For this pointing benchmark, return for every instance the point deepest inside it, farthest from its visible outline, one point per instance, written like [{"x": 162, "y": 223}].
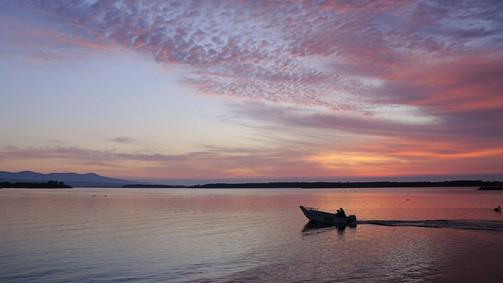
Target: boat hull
[{"x": 326, "y": 218}]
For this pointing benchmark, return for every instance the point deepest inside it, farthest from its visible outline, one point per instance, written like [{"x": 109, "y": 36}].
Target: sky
[{"x": 253, "y": 90}]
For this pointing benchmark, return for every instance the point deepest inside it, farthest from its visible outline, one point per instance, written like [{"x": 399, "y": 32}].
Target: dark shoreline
[
  {"x": 491, "y": 188},
  {"x": 481, "y": 185},
  {"x": 330, "y": 185},
  {"x": 34, "y": 185}
]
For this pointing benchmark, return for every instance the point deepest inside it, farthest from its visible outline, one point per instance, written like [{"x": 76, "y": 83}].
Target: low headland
[
  {"x": 334, "y": 185},
  {"x": 30, "y": 179},
  {"x": 35, "y": 185}
]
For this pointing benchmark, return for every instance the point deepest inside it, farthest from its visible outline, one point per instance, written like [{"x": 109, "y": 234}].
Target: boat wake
[{"x": 481, "y": 225}]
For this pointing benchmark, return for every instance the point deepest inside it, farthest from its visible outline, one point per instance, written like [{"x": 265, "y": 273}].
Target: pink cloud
[
  {"x": 442, "y": 59},
  {"x": 282, "y": 51}
]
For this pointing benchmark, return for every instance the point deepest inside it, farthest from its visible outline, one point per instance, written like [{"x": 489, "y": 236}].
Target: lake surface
[{"x": 251, "y": 235}]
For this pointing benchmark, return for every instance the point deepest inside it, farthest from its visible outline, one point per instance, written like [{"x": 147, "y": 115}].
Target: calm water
[{"x": 179, "y": 235}]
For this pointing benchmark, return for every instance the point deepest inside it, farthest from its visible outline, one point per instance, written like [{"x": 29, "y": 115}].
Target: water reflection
[
  {"x": 313, "y": 227},
  {"x": 181, "y": 235}
]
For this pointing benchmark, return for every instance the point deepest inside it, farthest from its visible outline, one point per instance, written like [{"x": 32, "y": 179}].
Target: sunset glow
[{"x": 246, "y": 90}]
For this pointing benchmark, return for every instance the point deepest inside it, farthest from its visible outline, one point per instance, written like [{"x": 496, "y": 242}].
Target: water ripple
[{"x": 482, "y": 225}]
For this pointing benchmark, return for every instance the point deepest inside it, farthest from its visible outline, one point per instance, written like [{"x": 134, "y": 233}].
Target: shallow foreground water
[{"x": 225, "y": 235}]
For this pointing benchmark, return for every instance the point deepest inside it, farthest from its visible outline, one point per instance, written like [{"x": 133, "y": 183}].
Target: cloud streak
[
  {"x": 122, "y": 140},
  {"x": 313, "y": 52}
]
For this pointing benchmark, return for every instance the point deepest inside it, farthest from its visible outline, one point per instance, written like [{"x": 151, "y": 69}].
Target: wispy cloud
[
  {"x": 123, "y": 140},
  {"x": 209, "y": 161},
  {"x": 312, "y": 52},
  {"x": 335, "y": 156}
]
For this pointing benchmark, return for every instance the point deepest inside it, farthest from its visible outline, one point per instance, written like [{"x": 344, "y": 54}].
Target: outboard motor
[{"x": 352, "y": 221}]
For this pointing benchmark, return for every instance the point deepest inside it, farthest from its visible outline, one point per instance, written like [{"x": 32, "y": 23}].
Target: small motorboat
[
  {"x": 497, "y": 209},
  {"x": 327, "y": 218}
]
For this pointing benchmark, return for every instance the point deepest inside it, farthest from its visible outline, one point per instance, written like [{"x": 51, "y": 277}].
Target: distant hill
[{"x": 72, "y": 179}]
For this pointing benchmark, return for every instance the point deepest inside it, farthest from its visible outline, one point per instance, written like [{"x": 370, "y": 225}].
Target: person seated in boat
[{"x": 340, "y": 212}]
